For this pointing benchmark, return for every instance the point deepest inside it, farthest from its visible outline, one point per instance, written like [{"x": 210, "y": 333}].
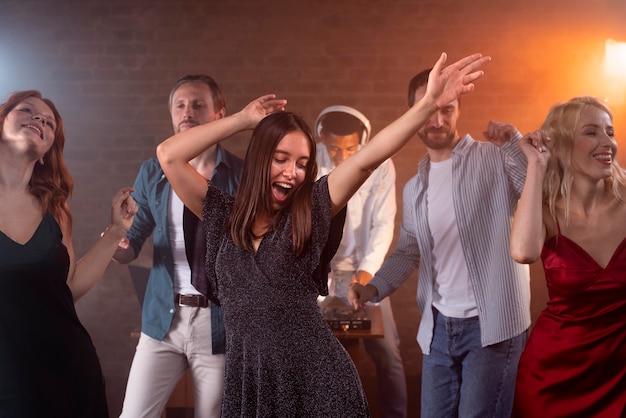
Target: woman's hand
[
  {"x": 260, "y": 108},
  {"x": 446, "y": 84},
  {"x": 123, "y": 210},
  {"x": 533, "y": 145},
  {"x": 83, "y": 274}
]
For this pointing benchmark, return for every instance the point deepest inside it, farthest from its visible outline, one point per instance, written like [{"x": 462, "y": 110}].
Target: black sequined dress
[{"x": 282, "y": 359}]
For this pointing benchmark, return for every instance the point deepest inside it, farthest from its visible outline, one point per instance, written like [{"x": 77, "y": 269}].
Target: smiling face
[
  {"x": 192, "y": 105},
  {"x": 594, "y": 144},
  {"x": 289, "y": 166},
  {"x": 30, "y": 127}
]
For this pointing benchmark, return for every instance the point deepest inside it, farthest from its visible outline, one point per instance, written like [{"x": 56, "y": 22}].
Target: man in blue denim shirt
[{"x": 181, "y": 328}]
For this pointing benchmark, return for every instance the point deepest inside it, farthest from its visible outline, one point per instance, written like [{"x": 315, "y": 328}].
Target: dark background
[{"x": 109, "y": 66}]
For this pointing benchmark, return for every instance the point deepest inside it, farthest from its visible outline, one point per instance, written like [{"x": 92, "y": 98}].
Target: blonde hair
[{"x": 560, "y": 126}]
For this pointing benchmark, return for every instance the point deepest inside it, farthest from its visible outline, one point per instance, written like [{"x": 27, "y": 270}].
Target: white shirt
[
  {"x": 487, "y": 183},
  {"x": 371, "y": 215},
  {"x": 182, "y": 271},
  {"x": 452, "y": 290}
]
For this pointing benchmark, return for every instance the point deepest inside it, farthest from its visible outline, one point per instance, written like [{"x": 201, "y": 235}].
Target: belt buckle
[
  {"x": 180, "y": 300},
  {"x": 195, "y": 301}
]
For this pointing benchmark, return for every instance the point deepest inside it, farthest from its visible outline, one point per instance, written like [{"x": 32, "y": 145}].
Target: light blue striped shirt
[{"x": 488, "y": 181}]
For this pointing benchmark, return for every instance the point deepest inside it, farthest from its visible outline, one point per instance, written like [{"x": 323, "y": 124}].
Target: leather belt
[{"x": 196, "y": 301}]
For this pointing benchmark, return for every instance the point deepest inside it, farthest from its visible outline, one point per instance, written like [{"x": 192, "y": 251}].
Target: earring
[{"x": 41, "y": 161}]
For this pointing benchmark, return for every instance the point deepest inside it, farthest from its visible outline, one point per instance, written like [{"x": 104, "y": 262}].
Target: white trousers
[{"x": 158, "y": 366}]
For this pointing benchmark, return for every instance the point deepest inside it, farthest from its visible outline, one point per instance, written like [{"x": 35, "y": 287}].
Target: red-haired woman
[{"x": 48, "y": 364}]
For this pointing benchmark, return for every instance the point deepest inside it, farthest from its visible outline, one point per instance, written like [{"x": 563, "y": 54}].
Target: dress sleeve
[
  {"x": 327, "y": 233},
  {"x": 217, "y": 207}
]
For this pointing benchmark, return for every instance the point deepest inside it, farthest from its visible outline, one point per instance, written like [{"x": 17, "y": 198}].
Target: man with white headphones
[{"x": 367, "y": 235}]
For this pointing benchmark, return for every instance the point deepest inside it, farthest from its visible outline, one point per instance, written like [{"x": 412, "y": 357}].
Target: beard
[
  {"x": 184, "y": 125},
  {"x": 441, "y": 141}
]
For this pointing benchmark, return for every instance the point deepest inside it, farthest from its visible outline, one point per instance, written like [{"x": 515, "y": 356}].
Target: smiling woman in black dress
[
  {"x": 269, "y": 247},
  {"x": 48, "y": 364}
]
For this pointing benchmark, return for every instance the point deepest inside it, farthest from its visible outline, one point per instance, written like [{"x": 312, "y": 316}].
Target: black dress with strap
[{"x": 48, "y": 363}]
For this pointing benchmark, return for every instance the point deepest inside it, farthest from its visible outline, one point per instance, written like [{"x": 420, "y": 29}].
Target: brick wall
[{"x": 108, "y": 65}]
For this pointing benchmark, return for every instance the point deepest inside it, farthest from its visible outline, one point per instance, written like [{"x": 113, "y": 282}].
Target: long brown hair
[
  {"x": 51, "y": 183},
  {"x": 254, "y": 194}
]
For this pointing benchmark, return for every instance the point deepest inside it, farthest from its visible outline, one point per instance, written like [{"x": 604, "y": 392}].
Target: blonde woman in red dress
[{"x": 572, "y": 214}]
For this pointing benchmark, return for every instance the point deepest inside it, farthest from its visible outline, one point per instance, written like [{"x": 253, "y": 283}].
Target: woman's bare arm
[
  {"x": 528, "y": 231},
  {"x": 175, "y": 153},
  {"x": 445, "y": 84}
]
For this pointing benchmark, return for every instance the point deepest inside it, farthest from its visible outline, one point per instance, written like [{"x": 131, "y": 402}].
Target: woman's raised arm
[
  {"x": 175, "y": 153},
  {"x": 528, "y": 230},
  {"x": 445, "y": 84},
  {"x": 85, "y": 273}
]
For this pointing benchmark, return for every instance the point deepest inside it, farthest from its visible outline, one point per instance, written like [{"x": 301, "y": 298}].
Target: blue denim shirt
[{"x": 152, "y": 192}]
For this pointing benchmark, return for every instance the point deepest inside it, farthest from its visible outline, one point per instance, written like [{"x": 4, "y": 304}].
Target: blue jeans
[{"x": 460, "y": 378}]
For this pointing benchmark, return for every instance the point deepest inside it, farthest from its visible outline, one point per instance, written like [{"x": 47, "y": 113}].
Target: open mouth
[
  {"x": 281, "y": 191},
  {"x": 35, "y": 129},
  {"x": 604, "y": 158}
]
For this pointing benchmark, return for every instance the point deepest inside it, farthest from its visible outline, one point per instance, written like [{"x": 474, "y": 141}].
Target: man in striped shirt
[{"x": 474, "y": 299}]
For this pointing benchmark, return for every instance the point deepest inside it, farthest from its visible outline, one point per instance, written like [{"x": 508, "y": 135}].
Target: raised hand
[
  {"x": 499, "y": 132},
  {"x": 261, "y": 107},
  {"x": 533, "y": 145},
  {"x": 446, "y": 84}
]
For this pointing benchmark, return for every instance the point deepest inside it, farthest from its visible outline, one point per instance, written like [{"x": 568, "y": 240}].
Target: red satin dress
[{"x": 574, "y": 364}]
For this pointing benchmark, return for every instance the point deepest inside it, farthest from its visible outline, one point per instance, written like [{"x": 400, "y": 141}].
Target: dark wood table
[{"x": 350, "y": 338}]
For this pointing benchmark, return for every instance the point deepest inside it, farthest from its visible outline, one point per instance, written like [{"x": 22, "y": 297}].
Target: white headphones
[{"x": 367, "y": 127}]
